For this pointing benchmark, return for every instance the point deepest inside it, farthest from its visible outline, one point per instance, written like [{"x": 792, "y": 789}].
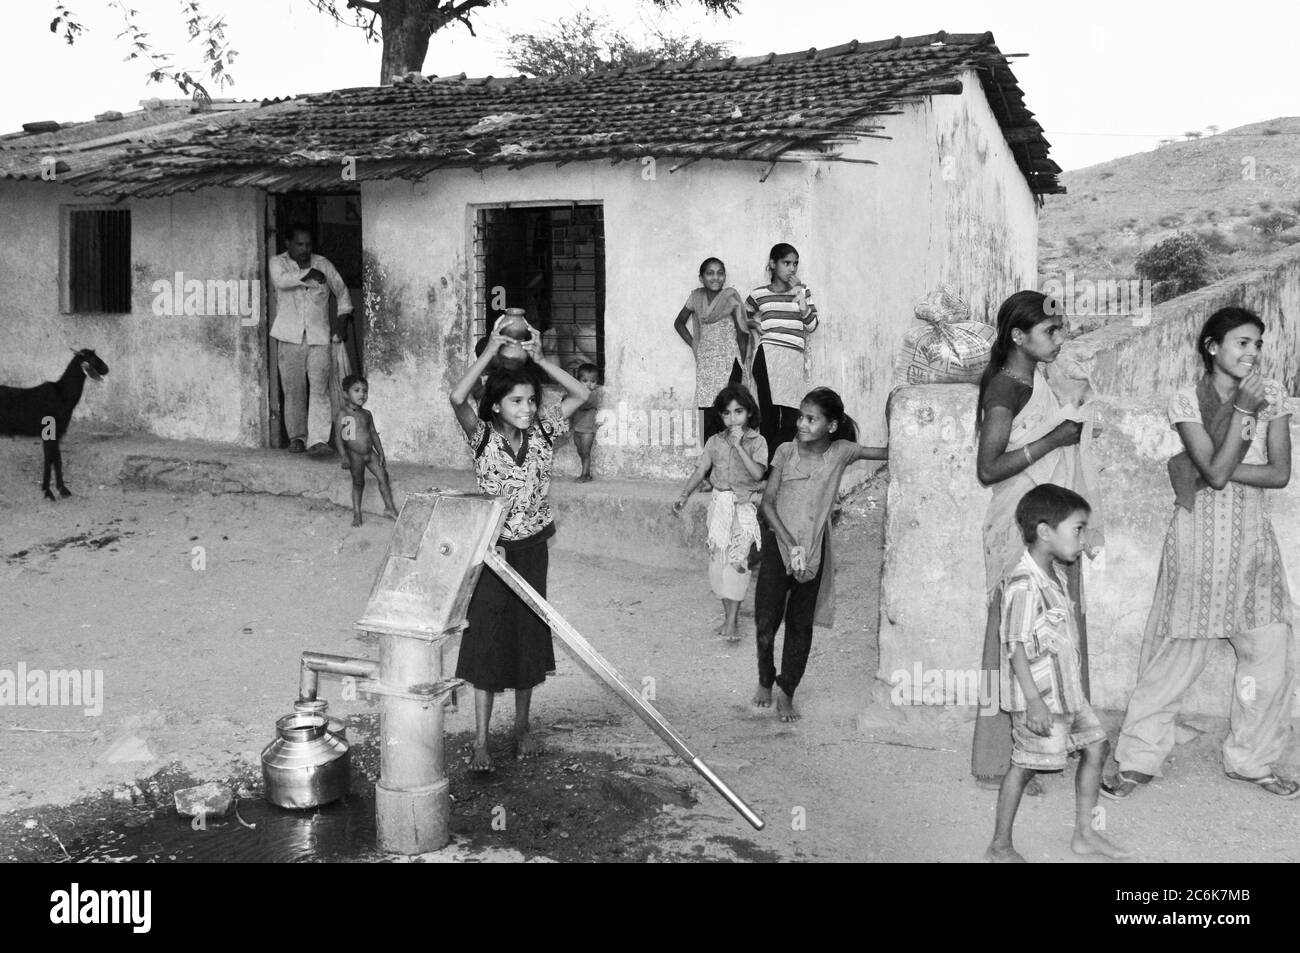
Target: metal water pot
[
  {"x": 306, "y": 765},
  {"x": 336, "y": 726}
]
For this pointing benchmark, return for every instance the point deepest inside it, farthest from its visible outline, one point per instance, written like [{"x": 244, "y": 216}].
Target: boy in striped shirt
[{"x": 1040, "y": 680}]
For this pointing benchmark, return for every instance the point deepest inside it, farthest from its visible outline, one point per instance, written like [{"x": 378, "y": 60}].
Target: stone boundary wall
[{"x": 1124, "y": 359}]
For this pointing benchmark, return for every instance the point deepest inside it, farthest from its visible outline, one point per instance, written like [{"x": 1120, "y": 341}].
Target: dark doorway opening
[
  {"x": 550, "y": 261},
  {"x": 335, "y": 223}
]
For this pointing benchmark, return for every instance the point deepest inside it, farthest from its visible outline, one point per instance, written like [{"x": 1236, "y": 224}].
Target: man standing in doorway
[{"x": 303, "y": 283}]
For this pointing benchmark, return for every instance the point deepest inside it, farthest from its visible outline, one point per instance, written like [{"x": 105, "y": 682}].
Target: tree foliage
[
  {"x": 402, "y": 27},
  {"x": 587, "y": 41},
  {"x": 1175, "y": 266},
  {"x": 206, "y": 31}
]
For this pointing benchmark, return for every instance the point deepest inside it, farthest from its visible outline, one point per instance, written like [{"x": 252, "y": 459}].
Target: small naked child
[{"x": 358, "y": 444}]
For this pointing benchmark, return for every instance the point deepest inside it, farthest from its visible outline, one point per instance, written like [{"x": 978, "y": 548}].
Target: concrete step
[{"x": 622, "y": 519}]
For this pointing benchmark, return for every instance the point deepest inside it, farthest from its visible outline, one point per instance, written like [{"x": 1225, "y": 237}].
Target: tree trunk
[{"x": 406, "y": 28}]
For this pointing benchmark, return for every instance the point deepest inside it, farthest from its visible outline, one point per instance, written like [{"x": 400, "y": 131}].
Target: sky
[{"x": 1105, "y": 79}]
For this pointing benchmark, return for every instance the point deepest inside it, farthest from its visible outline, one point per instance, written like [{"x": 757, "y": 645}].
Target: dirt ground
[{"x": 199, "y": 658}]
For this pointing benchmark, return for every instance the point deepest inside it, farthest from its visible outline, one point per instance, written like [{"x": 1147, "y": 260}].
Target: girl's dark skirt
[{"x": 506, "y": 644}]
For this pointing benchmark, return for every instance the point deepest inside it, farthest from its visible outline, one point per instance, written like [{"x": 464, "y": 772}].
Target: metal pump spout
[{"x": 314, "y": 663}]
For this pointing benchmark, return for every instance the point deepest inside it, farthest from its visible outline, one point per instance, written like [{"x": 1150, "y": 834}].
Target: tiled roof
[
  {"x": 87, "y": 148},
  {"x": 767, "y": 108}
]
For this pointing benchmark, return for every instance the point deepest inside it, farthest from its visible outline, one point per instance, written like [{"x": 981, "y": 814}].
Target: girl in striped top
[{"x": 782, "y": 315}]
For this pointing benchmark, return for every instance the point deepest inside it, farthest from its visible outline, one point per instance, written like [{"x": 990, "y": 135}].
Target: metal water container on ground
[
  {"x": 306, "y": 765},
  {"x": 336, "y": 726}
]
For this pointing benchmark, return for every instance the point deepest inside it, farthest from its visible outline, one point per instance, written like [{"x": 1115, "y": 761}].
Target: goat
[{"x": 45, "y": 410}]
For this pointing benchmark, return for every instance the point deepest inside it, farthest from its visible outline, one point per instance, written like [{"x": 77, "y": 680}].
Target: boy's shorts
[{"x": 1070, "y": 733}]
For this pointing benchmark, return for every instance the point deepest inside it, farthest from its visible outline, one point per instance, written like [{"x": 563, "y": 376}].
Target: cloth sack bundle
[{"x": 948, "y": 348}]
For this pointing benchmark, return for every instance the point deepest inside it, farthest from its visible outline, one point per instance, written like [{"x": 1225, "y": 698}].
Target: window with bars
[
  {"x": 98, "y": 266},
  {"x": 550, "y": 261}
]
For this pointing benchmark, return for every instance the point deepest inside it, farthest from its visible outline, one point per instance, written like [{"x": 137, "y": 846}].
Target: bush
[
  {"x": 1174, "y": 266},
  {"x": 1273, "y": 223}
]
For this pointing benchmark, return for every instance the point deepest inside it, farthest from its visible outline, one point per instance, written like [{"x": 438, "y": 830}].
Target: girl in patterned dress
[
  {"x": 505, "y": 644},
  {"x": 717, "y": 316},
  {"x": 1221, "y": 574}
]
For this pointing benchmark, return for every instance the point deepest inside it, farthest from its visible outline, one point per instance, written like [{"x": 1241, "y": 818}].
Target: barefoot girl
[
  {"x": 796, "y": 579},
  {"x": 783, "y": 315},
  {"x": 1024, "y": 439},
  {"x": 1221, "y": 576},
  {"x": 505, "y": 644},
  {"x": 719, "y": 338},
  {"x": 734, "y": 462}
]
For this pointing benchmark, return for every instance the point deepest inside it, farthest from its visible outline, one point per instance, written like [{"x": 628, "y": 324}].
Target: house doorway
[
  {"x": 550, "y": 261},
  {"x": 334, "y": 220}
]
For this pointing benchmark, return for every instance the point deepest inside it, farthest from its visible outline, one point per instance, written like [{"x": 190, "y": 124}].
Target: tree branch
[
  {"x": 441, "y": 16},
  {"x": 370, "y": 5}
]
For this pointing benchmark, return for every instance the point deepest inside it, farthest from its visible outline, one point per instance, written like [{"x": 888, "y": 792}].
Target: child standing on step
[
  {"x": 584, "y": 420},
  {"x": 796, "y": 581},
  {"x": 734, "y": 462},
  {"x": 357, "y": 442},
  {"x": 713, "y": 325},
  {"x": 506, "y": 645}
]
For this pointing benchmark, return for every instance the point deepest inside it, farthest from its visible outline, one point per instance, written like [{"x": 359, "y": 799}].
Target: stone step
[{"x": 621, "y": 519}]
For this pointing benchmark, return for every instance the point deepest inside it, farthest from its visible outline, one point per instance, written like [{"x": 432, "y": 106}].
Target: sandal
[
  {"x": 1123, "y": 784},
  {"x": 1284, "y": 788}
]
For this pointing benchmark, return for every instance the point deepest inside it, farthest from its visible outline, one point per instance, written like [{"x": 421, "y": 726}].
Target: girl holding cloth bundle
[{"x": 733, "y": 461}]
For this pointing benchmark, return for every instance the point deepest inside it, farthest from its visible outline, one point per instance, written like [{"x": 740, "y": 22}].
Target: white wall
[
  {"x": 175, "y": 376},
  {"x": 945, "y": 203},
  {"x": 872, "y": 239}
]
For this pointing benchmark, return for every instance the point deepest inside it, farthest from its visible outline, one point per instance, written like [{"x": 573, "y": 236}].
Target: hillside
[{"x": 1114, "y": 211}]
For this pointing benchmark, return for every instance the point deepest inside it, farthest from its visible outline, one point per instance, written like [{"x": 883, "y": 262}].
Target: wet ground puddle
[{"x": 565, "y": 806}]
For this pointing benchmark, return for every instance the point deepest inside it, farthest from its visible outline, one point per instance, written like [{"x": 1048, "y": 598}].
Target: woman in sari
[{"x": 1025, "y": 438}]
